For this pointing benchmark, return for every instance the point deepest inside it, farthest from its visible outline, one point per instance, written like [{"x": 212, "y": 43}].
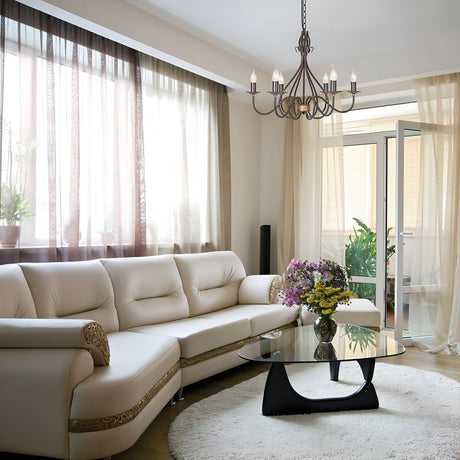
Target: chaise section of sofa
[{"x": 116, "y": 403}]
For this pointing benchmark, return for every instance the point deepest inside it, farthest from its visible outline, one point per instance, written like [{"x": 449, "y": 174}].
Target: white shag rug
[{"x": 418, "y": 418}]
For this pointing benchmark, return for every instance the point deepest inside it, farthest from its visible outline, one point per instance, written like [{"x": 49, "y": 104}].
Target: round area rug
[{"x": 418, "y": 418}]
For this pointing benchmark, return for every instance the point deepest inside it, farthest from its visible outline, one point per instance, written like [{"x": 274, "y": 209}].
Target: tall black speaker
[{"x": 265, "y": 234}]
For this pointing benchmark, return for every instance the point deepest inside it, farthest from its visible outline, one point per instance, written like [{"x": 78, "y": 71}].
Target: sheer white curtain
[
  {"x": 313, "y": 192},
  {"x": 117, "y": 153},
  {"x": 187, "y": 197},
  {"x": 437, "y": 236},
  {"x": 332, "y": 187}
]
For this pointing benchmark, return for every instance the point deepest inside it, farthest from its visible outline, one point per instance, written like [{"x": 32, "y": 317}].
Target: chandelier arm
[
  {"x": 257, "y": 110},
  {"x": 349, "y": 108},
  {"x": 279, "y": 111},
  {"x": 286, "y": 113},
  {"x": 324, "y": 113},
  {"x": 278, "y": 106},
  {"x": 291, "y": 81},
  {"x": 314, "y": 93},
  {"x": 293, "y": 106},
  {"x": 327, "y": 108}
]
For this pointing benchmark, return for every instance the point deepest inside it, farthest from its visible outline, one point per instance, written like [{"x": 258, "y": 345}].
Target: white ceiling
[{"x": 365, "y": 34}]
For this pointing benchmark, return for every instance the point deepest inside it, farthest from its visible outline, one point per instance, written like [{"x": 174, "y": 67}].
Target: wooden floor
[{"x": 153, "y": 444}]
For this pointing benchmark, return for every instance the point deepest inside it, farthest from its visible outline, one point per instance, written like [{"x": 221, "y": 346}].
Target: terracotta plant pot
[{"x": 9, "y": 235}]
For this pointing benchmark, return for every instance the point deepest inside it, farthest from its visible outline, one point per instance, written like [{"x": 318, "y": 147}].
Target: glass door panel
[
  {"x": 360, "y": 191},
  {"x": 413, "y": 316},
  {"x": 409, "y": 200}
]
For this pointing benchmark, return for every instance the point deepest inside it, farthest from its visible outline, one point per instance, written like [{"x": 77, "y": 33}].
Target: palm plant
[{"x": 361, "y": 255}]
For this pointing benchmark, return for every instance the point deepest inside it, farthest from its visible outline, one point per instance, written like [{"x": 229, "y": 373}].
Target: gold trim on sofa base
[{"x": 113, "y": 421}]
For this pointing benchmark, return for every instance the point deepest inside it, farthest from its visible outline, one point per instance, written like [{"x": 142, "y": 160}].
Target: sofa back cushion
[
  {"x": 148, "y": 290},
  {"x": 15, "y": 297},
  {"x": 79, "y": 290},
  {"x": 211, "y": 280}
]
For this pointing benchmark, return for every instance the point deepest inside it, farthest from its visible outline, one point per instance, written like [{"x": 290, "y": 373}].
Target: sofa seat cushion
[
  {"x": 262, "y": 318},
  {"x": 361, "y": 312},
  {"x": 201, "y": 334},
  {"x": 117, "y": 391}
]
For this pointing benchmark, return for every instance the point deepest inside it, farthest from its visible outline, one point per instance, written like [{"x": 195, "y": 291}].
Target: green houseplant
[
  {"x": 360, "y": 257},
  {"x": 14, "y": 206},
  {"x": 13, "y": 211}
]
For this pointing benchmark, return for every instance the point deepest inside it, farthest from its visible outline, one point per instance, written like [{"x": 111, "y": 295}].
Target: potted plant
[
  {"x": 13, "y": 211},
  {"x": 361, "y": 254}
]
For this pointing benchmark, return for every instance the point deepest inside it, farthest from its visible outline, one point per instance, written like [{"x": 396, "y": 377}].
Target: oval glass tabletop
[{"x": 300, "y": 345}]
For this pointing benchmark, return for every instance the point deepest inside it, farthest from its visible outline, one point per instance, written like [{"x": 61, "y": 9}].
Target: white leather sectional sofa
[{"x": 90, "y": 352}]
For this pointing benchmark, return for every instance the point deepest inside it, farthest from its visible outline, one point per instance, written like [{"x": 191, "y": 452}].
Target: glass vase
[{"x": 325, "y": 328}]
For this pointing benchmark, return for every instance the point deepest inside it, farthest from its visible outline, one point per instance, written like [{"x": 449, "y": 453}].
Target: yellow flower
[
  {"x": 326, "y": 312},
  {"x": 310, "y": 300}
]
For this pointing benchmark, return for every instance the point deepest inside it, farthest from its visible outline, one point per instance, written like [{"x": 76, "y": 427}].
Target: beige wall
[
  {"x": 245, "y": 126},
  {"x": 271, "y": 178},
  {"x": 256, "y": 144}
]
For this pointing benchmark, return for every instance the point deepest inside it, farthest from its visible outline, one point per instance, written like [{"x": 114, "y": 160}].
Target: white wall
[{"x": 257, "y": 149}]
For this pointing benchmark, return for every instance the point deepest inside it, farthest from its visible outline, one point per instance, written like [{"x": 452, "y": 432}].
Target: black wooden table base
[{"x": 280, "y": 398}]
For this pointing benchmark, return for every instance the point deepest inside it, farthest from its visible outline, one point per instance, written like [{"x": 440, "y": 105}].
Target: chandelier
[{"x": 303, "y": 95}]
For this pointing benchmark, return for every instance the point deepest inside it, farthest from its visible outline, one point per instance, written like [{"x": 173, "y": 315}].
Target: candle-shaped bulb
[
  {"x": 353, "y": 77},
  {"x": 281, "y": 79},
  {"x": 326, "y": 79},
  {"x": 276, "y": 75},
  {"x": 253, "y": 78},
  {"x": 333, "y": 75}
]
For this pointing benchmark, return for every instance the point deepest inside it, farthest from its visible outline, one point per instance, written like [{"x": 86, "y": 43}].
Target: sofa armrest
[
  {"x": 259, "y": 289},
  {"x": 56, "y": 333},
  {"x": 36, "y": 388}
]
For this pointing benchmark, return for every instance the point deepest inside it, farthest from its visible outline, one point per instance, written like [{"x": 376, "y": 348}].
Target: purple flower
[{"x": 299, "y": 279}]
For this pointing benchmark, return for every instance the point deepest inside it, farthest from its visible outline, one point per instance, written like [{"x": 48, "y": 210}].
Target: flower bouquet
[{"x": 320, "y": 287}]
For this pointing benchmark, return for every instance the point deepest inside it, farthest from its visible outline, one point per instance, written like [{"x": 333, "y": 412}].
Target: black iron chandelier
[{"x": 303, "y": 95}]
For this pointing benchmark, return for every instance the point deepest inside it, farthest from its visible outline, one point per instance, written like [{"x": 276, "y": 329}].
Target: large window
[{"x": 105, "y": 148}]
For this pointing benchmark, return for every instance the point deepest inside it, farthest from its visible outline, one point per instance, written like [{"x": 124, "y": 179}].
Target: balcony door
[
  {"x": 414, "y": 312},
  {"x": 381, "y": 181}
]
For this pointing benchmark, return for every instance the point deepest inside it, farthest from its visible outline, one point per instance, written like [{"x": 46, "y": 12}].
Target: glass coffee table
[{"x": 300, "y": 345}]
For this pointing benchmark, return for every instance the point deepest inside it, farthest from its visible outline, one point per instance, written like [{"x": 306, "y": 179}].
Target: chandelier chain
[{"x": 304, "y": 14}]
